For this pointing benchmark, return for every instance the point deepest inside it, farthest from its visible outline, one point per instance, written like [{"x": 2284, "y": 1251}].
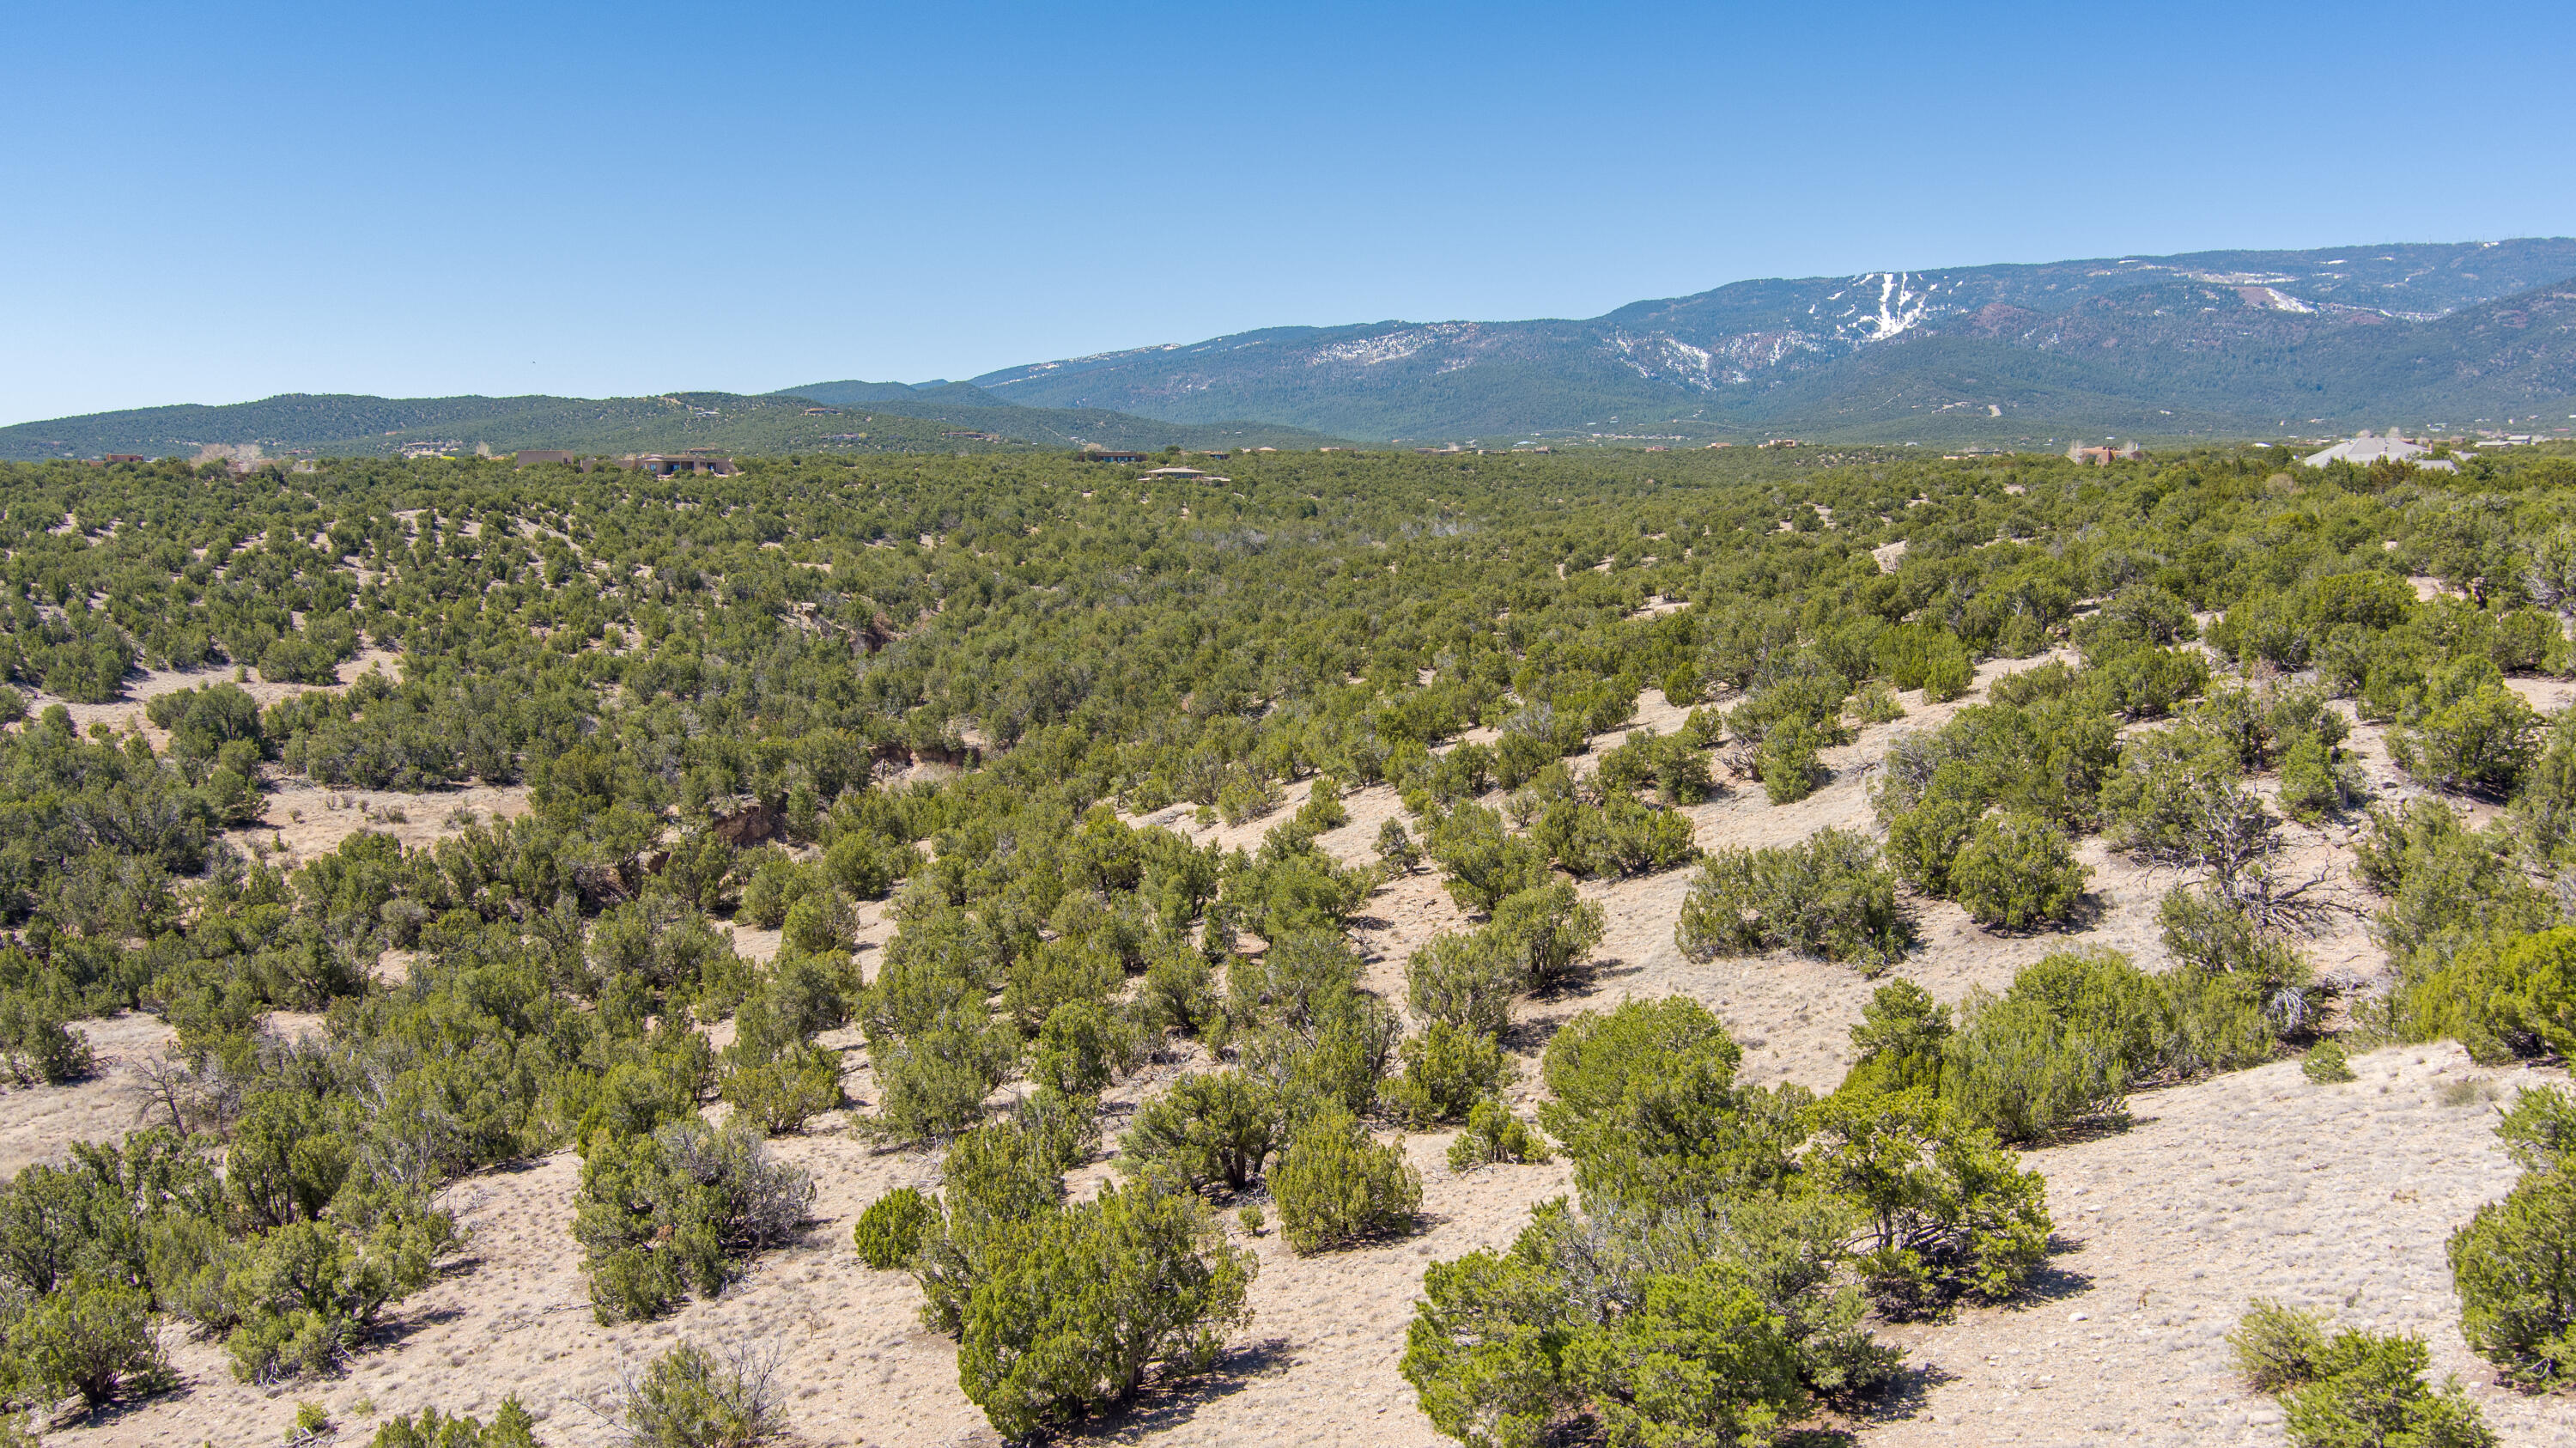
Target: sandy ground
[
  {"x": 144, "y": 685},
  {"x": 2253, "y": 1183},
  {"x": 2257, "y": 1184},
  {"x": 301, "y": 819},
  {"x": 39, "y": 1123}
]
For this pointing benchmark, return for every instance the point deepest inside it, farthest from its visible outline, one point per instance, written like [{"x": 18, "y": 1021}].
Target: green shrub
[
  {"x": 1550, "y": 931},
  {"x": 1294, "y": 891},
  {"x": 36, "y": 1044},
  {"x": 1468, "y": 981},
  {"x": 2327, "y": 1064},
  {"x": 89, "y": 1337},
  {"x": 1788, "y": 763},
  {"x": 693, "y": 1398},
  {"x": 1931, "y": 659},
  {"x": 1397, "y": 854},
  {"x": 2178, "y": 796},
  {"x": 2017, "y": 1068},
  {"x": 1014, "y": 1167},
  {"x": 2209, "y": 934},
  {"x": 1485, "y": 861},
  {"x": 1335, "y": 1186},
  {"x": 2036, "y": 684},
  {"x": 787, "y": 1090},
  {"x": 931, "y": 1084},
  {"x": 1493, "y": 1134},
  {"x": 682, "y": 1208},
  {"x": 2501, "y": 994},
  {"x": 2366, "y": 1389},
  {"x": 865, "y": 866},
  {"x": 1948, "y": 677},
  {"x": 892, "y": 1228},
  {"x": 1447, "y": 1069},
  {"x": 2540, "y": 1127},
  {"x": 1080, "y": 1048},
  {"x": 1054, "y": 973},
  {"x": 1646, "y": 1105},
  {"x": 1738, "y": 1371},
  {"x": 1213, "y": 1130},
  {"x": 2277, "y": 1347},
  {"x": 1293, "y": 983},
  {"x": 1947, "y": 1212},
  {"x": 776, "y": 883},
  {"x": 305, "y": 1293},
  {"x": 1341, "y": 1055},
  {"x": 2318, "y": 781},
  {"x": 1179, "y": 992},
  {"x": 1899, "y": 1043},
  {"x": 817, "y": 923},
  {"x": 1829, "y": 896},
  {"x": 2482, "y": 743},
  {"x": 1619, "y": 836},
  {"x": 1923, "y": 842},
  {"x": 1874, "y": 704},
  {"x": 511, "y": 1427},
  {"x": 1084, "y": 1303},
  {"x": 2147, "y": 683},
  {"x": 1688, "y": 1326},
  {"x": 2514, "y": 1266},
  {"x": 2015, "y": 871}
]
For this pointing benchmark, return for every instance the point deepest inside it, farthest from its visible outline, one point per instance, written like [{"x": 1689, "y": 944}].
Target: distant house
[
  {"x": 2103, "y": 457},
  {"x": 696, "y": 462},
  {"x": 822, "y": 412},
  {"x": 1113, "y": 455},
  {"x": 2391, "y": 446},
  {"x": 1185, "y": 475}
]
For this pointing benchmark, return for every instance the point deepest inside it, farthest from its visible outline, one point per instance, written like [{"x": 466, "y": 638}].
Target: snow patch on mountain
[
  {"x": 1391, "y": 346},
  {"x": 1900, "y": 308}
]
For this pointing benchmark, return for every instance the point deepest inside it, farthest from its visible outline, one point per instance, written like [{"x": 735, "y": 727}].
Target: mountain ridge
[
  {"x": 944, "y": 419},
  {"x": 2239, "y": 338}
]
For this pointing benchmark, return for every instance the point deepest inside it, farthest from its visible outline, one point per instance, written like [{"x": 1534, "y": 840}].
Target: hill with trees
[
  {"x": 959, "y": 419},
  {"x": 2211, "y": 344},
  {"x": 1710, "y": 947}
]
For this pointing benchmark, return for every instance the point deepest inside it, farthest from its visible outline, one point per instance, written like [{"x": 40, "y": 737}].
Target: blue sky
[{"x": 220, "y": 202}]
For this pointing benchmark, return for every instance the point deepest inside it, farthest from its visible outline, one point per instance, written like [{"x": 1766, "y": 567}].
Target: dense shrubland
[{"x": 956, "y": 685}]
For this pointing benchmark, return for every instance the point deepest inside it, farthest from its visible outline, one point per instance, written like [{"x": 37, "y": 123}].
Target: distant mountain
[
  {"x": 965, "y": 406},
  {"x": 2230, "y": 342},
  {"x": 950, "y": 418}
]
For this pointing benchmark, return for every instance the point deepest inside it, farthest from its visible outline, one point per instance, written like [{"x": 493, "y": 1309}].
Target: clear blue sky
[{"x": 218, "y": 202}]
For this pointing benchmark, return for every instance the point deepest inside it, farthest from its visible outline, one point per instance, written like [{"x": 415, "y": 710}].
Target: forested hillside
[
  {"x": 1613, "y": 948},
  {"x": 2214, "y": 344},
  {"x": 344, "y": 426}
]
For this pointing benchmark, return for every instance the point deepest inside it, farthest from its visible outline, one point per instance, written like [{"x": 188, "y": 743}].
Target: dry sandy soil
[
  {"x": 301, "y": 819},
  {"x": 2256, "y": 1183}
]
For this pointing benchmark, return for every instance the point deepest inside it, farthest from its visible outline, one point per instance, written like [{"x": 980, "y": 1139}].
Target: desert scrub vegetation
[
  {"x": 677, "y": 1210},
  {"x": 2353, "y": 1387},
  {"x": 1061, "y": 1311},
  {"x": 1830, "y": 896},
  {"x": 511, "y": 1427},
  {"x": 957, "y": 686},
  {"x": 1728, "y": 1244},
  {"x": 2512, "y": 1264},
  {"x": 1336, "y": 1185},
  {"x": 695, "y": 1397},
  {"x": 2064, "y": 1044}
]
